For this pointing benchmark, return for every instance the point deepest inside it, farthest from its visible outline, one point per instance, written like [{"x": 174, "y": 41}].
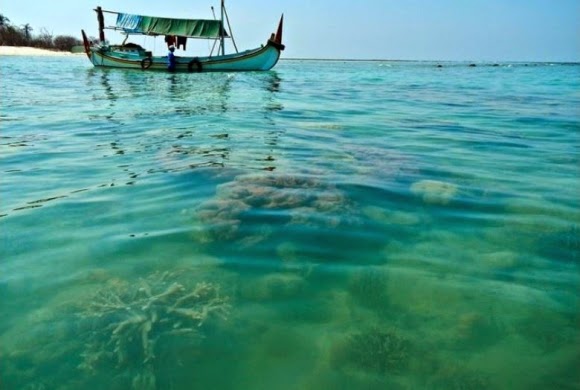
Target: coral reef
[
  {"x": 288, "y": 199},
  {"x": 128, "y": 322},
  {"x": 378, "y": 351},
  {"x": 221, "y": 217},
  {"x": 121, "y": 335}
]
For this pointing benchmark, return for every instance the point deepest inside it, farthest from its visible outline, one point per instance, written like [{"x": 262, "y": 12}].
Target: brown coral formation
[{"x": 286, "y": 198}]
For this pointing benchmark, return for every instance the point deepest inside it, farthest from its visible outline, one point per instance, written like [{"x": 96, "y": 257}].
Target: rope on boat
[{"x": 230, "y": 28}]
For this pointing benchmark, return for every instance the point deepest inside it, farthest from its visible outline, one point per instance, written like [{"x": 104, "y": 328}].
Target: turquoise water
[{"x": 326, "y": 225}]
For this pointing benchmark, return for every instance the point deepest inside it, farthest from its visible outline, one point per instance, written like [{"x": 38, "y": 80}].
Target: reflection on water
[
  {"x": 193, "y": 94},
  {"x": 274, "y": 82},
  {"x": 183, "y": 93},
  {"x": 162, "y": 105}
]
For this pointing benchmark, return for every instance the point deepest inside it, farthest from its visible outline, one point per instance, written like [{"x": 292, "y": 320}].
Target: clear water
[{"x": 326, "y": 225}]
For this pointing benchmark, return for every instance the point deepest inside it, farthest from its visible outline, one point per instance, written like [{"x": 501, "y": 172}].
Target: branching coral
[{"x": 129, "y": 321}]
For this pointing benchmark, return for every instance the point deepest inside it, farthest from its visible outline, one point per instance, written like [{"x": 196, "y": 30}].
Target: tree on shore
[
  {"x": 27, "y": 29},
  {"x": 4, "y": 22},
  {"x": 21, "y": 36}
]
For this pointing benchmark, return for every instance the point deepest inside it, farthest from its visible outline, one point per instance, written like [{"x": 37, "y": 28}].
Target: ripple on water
[{"x": 400, "y": 226}]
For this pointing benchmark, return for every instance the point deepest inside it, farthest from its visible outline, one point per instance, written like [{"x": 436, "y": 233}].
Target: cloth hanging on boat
[
  {"x": 170, "y": 40},
  {"x": 181, "y": 41},
  {"x": 129, "y": 23}
]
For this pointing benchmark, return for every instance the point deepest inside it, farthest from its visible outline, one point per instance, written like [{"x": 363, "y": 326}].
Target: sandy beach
[{"x": 31, "y": 51}]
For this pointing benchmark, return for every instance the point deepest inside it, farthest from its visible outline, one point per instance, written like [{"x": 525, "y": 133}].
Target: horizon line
[{"x": 460, "y": 61}]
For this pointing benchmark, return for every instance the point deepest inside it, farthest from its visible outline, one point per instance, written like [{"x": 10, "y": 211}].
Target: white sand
[{"x": 31, "y": 51}]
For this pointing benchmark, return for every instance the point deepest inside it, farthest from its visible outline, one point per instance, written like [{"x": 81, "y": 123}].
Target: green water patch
[{"x": 125, "y": 333}]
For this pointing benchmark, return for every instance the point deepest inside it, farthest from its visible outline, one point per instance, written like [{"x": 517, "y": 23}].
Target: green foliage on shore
[{"x": 12, "y": 35}]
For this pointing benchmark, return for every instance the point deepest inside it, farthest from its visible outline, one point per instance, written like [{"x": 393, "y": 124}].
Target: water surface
[{"x": 344, "y": 225}]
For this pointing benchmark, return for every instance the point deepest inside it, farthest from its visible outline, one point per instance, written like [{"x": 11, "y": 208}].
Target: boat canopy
[{"x": 151, "y": 25}]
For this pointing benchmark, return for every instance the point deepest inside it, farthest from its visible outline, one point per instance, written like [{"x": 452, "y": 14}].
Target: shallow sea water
[{"x": 326, "y": 225}]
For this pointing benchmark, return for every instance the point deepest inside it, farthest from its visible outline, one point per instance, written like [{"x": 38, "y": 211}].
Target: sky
[{"x": 454, "y": 30}]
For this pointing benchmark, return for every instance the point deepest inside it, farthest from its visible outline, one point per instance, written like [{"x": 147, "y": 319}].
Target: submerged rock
[{"x": 434, "y": 192}]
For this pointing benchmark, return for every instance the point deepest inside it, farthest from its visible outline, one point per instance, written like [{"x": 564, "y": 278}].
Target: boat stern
[{"x": 276, "y": 38}]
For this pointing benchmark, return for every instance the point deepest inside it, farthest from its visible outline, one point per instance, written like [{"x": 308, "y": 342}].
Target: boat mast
[
  {"x": 222, "y": 42},
  {"x": 101, "y": 20}
]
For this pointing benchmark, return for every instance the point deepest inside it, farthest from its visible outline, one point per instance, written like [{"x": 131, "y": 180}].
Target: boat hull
[{"x": 261, "y": 59}]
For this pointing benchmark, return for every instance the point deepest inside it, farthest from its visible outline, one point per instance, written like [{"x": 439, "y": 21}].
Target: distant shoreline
[{"x": 32, "y": 51}]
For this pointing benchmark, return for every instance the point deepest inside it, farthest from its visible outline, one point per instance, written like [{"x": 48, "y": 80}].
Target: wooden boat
[{"x": 133, "y": 56}]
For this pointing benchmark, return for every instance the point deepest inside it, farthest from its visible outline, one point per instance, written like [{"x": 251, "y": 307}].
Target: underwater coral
[
  {"x": 375, "y": 350},
  {"x": 287, "y": 199},
  {"x": 125, "y": 334},
  {"x": 131, "y": 320}
]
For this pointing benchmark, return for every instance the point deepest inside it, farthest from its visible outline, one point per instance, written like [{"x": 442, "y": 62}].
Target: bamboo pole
[
  {"x": 231, "y": 32},
  {"x": 222, "y": 43}
]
